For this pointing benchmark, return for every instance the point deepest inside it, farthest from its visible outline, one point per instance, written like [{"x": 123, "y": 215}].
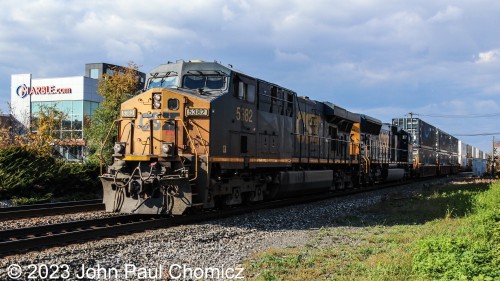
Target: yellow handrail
[
  {"x": 193, "y": 148},
  {"x": 207, "y": 148},
  {"x": 101, "y": 158}
]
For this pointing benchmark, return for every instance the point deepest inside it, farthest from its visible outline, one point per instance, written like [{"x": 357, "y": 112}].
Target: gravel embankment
[
  {"x": 45, "y": 220},
  {"x": 218, "y": 244}
]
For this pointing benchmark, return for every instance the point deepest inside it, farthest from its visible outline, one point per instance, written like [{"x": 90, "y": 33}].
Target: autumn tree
[
  {"x": 38, "y": 135},
  {"x": 115, "y": 89}
]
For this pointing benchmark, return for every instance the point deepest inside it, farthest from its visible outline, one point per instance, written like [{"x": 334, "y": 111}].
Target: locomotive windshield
[
  {"x": 212, "y": 82},
  {"x": 167, "y": 80}
]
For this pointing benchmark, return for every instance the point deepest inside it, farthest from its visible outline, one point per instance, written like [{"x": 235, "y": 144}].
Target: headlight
[
  {"x": 157, "y": 96},
  {"x": 156, "y": 100},
  {"x": 167, "y": 148},
  {"x": 119, "y": 148}
]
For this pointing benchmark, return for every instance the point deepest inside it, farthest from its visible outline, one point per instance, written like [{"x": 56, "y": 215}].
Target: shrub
[{"x": 24, "y": 174}]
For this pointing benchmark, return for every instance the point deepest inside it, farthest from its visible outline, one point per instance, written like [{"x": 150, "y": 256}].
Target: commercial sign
[{"x": 23, "y": 90}]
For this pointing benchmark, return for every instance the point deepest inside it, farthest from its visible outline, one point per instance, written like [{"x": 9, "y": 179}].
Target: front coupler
[{"x": 156, "y": 195}]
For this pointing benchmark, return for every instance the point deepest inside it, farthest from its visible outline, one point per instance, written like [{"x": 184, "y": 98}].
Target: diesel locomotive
[{"x": 202, "y": 135}]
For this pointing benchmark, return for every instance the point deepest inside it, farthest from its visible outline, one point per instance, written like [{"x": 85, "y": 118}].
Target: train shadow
[{"x": 391, "y": 208}]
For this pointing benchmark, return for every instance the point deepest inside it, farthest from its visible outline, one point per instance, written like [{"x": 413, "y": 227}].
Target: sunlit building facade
[{"x": 75, "y": 96}]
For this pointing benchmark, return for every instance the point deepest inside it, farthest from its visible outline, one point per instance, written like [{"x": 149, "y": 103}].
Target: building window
[{"x": 94, "y": 73}]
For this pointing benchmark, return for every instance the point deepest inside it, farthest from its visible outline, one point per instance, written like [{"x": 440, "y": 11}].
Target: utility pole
[{"x": 493, "y": 158}]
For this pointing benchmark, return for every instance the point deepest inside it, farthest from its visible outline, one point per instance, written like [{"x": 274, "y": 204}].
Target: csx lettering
[
  {"x": 244, "y": 114},
  {"x": 145, "y": 124}
]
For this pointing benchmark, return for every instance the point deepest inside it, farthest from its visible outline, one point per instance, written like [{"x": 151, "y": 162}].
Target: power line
[
  {"x": 462, "y": 116},
  {"x": 459, "y": 115},
  {"x": 476, "y": 135}
]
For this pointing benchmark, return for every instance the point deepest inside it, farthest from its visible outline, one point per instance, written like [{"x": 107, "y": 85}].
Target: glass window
[
  {"x": 66, "y": 124},
  {"x": 94, "y": 73},
  {"x": 241, "y": 90},
  {"x": 77, "y": 107},
  {"x": 215, "y": 82},
  {"x": 77, "y": 135},
  {"x": 194, "y": 82},
  {"x": 164, "y": 82},
  {"x": 89, "y": 108},
  {"x": 245, "y": 91},
  {"x": 211, "y": 82}
]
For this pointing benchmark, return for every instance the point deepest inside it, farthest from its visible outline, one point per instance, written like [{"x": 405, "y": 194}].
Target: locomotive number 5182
[{"x": 244, "y": 114}]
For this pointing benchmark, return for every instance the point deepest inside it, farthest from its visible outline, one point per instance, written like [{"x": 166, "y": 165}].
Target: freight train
[{"x": 203, "y": 135}]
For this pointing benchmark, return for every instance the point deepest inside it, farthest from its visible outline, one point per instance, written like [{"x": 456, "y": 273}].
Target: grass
[{"x": 445, "y": 233}]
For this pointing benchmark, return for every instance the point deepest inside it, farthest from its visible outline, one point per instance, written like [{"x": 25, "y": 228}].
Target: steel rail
[
  {"x": 25, "y": 239},
  {"x": 37, "y": 210}
]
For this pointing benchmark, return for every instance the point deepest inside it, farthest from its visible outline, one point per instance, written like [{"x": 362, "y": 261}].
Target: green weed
[{"x": 445, "y": 233}]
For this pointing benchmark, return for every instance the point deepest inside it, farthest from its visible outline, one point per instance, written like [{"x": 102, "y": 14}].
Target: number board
[
  {"x": 196, "y": 111},
  {"x": 129, "y": 113}
]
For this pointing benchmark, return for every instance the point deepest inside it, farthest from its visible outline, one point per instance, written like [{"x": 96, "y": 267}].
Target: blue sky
[{"x": 381, "y": 58}]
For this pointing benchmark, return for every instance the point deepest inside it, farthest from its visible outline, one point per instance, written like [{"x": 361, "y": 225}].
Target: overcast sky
[{"x": 381, "y": 58}]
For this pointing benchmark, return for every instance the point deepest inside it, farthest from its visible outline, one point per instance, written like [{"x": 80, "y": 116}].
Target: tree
[
  {"x": 39, "y": 137},
  {"x": 48, "y": 121},
  {"x": 115, "y": 89}
]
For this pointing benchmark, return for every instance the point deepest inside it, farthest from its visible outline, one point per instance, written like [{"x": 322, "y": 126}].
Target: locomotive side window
[
  {"x": 245, "y": 90},
  {"x": 241, "y": 90}
]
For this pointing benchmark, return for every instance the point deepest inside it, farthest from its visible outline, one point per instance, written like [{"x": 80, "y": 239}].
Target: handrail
[
  {"x": 192, "y": 148},
  {"x": 204, "y": 142},
  {"x": 101, "y": 158}
]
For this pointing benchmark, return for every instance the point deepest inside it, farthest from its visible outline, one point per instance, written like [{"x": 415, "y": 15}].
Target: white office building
[{"x": 75, "y": 96}]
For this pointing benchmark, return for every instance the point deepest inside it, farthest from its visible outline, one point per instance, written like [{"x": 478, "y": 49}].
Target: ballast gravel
[
  {"x": 198, "y": 249},
  {"x": 53, "y": 219}
]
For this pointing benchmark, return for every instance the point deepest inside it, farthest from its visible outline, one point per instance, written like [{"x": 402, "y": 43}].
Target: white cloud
[
  {"x": 451, "y": 13},
  {"x": 290, "y": 56},
  {"x": 227, "y": 14},
  {"x": 413, "y": 53},
  {"x": 122, "y": 51},
  {"x": 488, "y": 56}
]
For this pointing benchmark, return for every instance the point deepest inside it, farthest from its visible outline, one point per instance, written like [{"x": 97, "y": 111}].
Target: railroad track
[
  {"x": 25, "y": 239},
  {"x": 50, "y": 209}
]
